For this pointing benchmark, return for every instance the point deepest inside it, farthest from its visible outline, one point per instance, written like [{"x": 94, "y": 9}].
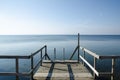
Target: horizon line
[{"x": 58, "y": 34}]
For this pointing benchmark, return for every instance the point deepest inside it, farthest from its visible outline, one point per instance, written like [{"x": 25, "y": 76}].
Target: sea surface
[{"x": 27, "y": 44}]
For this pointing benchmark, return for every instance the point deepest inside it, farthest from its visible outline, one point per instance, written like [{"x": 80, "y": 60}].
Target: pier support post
[{"x": 113, "y": 69}]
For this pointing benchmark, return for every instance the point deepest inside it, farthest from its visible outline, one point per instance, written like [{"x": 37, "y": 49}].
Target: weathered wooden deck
[{"x": 62, "y": 70}]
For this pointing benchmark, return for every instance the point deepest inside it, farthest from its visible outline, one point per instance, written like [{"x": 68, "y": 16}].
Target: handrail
[
  {"x": 93, "y": 69},
  {"x": 99, "y": 56},
  {"x": 13, "y": 57},
  {"x": 90, "y": 52},
  {"x": 37, "y": 51},
  {"x": 109, "y": 57},
  {"x": 17, "y": 57},
  {"x": 96, "y": 56}
]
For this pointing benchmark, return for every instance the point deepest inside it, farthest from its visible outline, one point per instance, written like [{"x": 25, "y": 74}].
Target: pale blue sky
[{"x": 59, "y": 16}]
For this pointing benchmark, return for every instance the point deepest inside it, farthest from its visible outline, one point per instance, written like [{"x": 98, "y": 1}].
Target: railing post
[
  {"x": 45, "y": 52},
  {"x": 41, "y": 57},
  {"x": 113, "y": 68},
  {"x": 63, "y": 53},
  {"x": 94, "y": 75},
  {"x": 78, "y": 46},
  {"x": 32, "y": 67},
  {"x": 17, "y": 68},
  {"x": 83, "y": 57},
  {"x": 54, "y": 54}
]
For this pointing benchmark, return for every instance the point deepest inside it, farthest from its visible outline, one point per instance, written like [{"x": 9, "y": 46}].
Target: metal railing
[
  {"x": 31, "y": 57},
  {"x": 96, "y": 56},
  {"x": 79, "y": 56}
]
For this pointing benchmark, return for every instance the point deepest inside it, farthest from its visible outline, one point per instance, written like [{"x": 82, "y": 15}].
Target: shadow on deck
[{"x": 62, "y": 70}]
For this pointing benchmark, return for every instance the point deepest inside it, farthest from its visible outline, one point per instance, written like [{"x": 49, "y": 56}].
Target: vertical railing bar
[
  {"x": 63, "y": 53},
  {"x": 83, "y": 57},
  {"x": 45, "y": 52},
  {"x": 54, "y": 54},
  {"x": 17, "y": 68},
  {"x": 113, "y": 68},
  {"x": 41, "y": 57},
  {"x": 32, "y": 66},
  {"x": 94, "y": 75},
  {"x": 78, "y": 46}
]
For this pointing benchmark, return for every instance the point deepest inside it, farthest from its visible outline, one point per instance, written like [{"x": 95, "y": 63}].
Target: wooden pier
[
  {"x": 62, "y": 70},
  {"x": 49, "y": 69}
]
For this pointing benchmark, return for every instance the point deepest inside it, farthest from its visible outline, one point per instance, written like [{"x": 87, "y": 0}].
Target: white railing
[{"x": 96, "y": 56}]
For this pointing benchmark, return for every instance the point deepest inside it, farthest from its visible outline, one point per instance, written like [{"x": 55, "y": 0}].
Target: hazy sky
[{"x": 59, "y": 16}]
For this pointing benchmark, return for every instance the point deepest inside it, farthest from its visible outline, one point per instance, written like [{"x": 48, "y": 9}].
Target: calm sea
[{"x": 27, "y": 44}]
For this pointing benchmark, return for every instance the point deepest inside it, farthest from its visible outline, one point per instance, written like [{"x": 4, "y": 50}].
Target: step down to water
[{"x": 62, "y": 70}]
